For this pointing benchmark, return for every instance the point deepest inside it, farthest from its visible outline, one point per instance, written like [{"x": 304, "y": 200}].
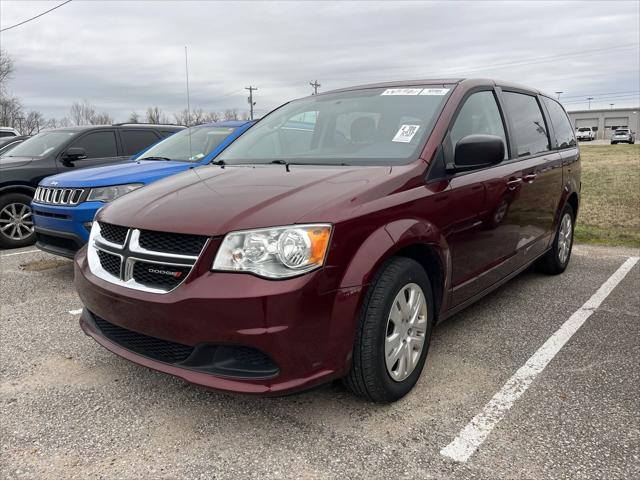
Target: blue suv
[{"x": 64, "y": 205}]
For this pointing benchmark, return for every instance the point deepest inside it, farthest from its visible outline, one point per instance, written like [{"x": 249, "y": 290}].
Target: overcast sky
[{"x": 128, "y": 55}]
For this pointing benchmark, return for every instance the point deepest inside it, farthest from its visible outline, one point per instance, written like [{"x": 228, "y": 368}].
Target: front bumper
[
  {"x": 307, "y": 332},
  {"x": 60, "y": 230}
]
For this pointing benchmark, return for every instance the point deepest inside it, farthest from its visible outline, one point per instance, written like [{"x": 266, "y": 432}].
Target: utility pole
[
  {"x": 186, "y": 69},
  {"x": 250, "y": 100},
  {"x": 558, "y": 94},
  {"x": 315, "y": 86},
  {"x": 589, "y": 98}
]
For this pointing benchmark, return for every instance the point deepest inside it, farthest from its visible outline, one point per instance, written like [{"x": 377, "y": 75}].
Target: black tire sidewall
[
  {"x": 6, "y": 242},
  {"x": 410, "y": 272}
]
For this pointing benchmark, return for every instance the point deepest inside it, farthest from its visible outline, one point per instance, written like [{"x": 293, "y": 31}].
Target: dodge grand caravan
[{"x": 311, "y": 254}]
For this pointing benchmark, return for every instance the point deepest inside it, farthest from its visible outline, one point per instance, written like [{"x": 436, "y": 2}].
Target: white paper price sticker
[
  {"x": 435, "y": 91},
  {"x": 406, "y": 133},
  {"x": 402, "y": 91}
]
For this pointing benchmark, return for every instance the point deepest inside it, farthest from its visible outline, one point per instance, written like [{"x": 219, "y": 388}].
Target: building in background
[{"x": 605, "y": 121}]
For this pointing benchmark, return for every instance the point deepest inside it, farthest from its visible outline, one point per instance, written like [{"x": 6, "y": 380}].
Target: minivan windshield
[
  {"x": 584, "y": 129},
  {"x": 41, "y": 144},
  {"x": 189, "y": 145},
  {"x": 374, "y": 126}
]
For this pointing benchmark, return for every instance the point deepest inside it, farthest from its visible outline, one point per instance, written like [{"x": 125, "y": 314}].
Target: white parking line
[
  {"x": 18, "y": 253},
  {"x": 479, "y": 428},
  {"x": 75, "y": 312}
]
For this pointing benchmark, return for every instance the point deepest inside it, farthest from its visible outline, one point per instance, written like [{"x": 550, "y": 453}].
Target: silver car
[{"x": 623, "y": 135}]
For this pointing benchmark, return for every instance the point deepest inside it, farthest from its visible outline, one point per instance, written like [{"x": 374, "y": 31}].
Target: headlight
[
  {"x": 109, "y": 194},
  {"x": 277, "y": 252}
]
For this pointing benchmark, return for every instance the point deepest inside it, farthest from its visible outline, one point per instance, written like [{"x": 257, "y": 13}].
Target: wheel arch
[
  {"x": 411, "y": 238},
  {"x": 25, "y": 189}
]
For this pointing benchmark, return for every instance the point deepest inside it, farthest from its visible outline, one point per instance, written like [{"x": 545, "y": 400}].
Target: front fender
[{"x": 389, "y": 239}]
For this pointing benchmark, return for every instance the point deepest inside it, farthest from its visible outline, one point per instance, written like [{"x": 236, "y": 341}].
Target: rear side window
[
  {"x": 7, "y": 134},
  {"x": 478, "y": 116},
  {"x": 561, "y": 126},
  {"x": 98, "y": 144},
  {"x": 168, "y": 133},
  {"x": 529, "y": 129},
  {"x": 134, "y": 141}
]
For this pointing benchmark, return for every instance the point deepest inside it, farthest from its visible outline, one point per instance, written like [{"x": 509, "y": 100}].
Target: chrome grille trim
[
  {"x": 130, "y": 253},
  {"x": 58, "y": 196}
]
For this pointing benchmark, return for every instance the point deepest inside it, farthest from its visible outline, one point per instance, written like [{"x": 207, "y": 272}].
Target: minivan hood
[
  {"x": 145, "y": 171},
  {"x": 13, "y": 162},
  {"x": 213, "y": 200}
]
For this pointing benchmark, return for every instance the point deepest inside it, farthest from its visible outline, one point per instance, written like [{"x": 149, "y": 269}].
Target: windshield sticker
[
  {"x": 406, "y": 133},
  {"x": 402, "y": 91},
  {"x": 435, "y": 91}
]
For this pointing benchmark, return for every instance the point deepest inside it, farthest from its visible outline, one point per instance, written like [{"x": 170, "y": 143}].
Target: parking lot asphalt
[{"x": 70, "y": 409}]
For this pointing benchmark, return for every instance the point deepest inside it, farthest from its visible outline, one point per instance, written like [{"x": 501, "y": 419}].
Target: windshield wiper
[
  {"x": 156, "y": 158},
  {"x": 281, "y": 162}
]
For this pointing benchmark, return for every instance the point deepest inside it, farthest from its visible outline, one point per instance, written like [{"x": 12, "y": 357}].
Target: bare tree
[
  {"x": 102, "y": 119},
  {"x": 155, "y": 116},
  {"x": 10, "y": 111},
  {"x": 33, "y": 123},
  {"x": 213, "y": 117},
  {"x": 182, "y": 118},
  {"x": 6, "y": 69},
  {"x": 231, "y": 114},
  {"x": 134, "y": 117},
  {"x": 82, "y": 113}
]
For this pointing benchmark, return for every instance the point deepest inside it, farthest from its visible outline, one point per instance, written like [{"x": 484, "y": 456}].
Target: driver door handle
[{"x": 513, "y": 183}]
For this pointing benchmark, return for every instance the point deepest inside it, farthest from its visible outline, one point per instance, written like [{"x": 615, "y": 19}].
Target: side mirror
[
  {"x": 477, "y": 151},
  {"x": 74, "y": 153}
]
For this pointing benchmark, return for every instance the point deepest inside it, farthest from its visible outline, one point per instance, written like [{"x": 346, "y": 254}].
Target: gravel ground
[{"x": 70, "y": 409}]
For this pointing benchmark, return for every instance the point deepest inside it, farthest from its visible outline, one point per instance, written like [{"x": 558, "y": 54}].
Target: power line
[{"x": 33, "y": 18}]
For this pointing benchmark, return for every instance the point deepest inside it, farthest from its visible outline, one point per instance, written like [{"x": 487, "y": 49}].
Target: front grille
[
  {"x": 251, "y": 356},
  {"x": 161, "y": 350},
  {"x": 42, "y": 213},
  {"x": 58, "y": 196},
  {"x": 224, "y": 360},
  {"x": 176, "y": 243},
  {"x": 113, "y": 233},
  {"x": 142, "y": 259},
  {"x": 111, "y": 263},
  {"x": 159, "y": 275},
  {"x": 68, "y": 245}
]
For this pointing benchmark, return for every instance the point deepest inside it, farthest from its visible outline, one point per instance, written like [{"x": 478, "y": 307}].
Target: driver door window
[
  {"x": 100, "y": 146},
  {"x": 478, "y": 116}
]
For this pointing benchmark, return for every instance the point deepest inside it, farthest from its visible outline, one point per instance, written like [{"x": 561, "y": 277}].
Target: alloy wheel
[
  {"x": 564, "y": 238},
  {"x": 405, "y": 333},
  {"x": 16, "y": 221}
]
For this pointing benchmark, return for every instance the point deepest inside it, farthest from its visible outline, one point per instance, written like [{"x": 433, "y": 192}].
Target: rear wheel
[
  {"x": 555, "y": 261},
  {"x": 16, "y": 221},
  {"x": 393, "y": 334}
]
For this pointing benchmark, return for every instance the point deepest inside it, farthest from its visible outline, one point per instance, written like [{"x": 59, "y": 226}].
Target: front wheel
[
  {"x": 393, "y": 334},
  {"x": 555, "y": 261},
  {"x": 16, "y": 221}
]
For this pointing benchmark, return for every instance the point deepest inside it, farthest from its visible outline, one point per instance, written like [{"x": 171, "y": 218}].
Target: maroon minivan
[{"x": 327, "y": 240}]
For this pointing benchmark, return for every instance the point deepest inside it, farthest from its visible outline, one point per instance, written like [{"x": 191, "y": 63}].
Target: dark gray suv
[{"x": 61, "y": 150}]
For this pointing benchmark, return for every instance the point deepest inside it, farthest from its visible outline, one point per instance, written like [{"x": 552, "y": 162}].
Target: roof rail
[{"x": 146, "y": 123}]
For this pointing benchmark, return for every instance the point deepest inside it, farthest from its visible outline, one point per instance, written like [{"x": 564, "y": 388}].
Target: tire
[
  {"x": 555, "y": 261},
  {"x": 12, "y": 206},
  {"x": 369, "y": 376}
]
